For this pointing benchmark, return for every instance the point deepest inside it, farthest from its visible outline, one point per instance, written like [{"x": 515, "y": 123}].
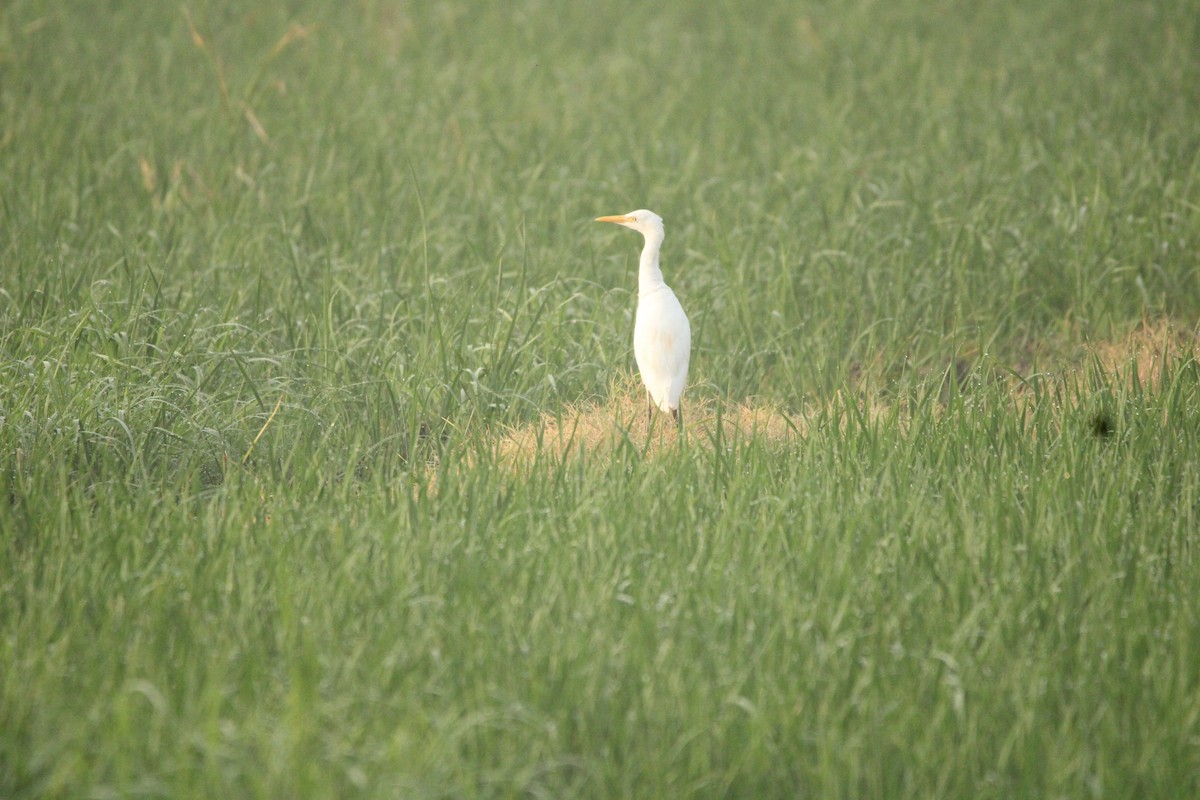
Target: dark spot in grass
[{"x": 1101, "y": 425}]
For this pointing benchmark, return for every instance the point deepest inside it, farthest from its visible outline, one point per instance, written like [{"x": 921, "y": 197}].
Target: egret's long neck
[{"x": 649, "y": 275}]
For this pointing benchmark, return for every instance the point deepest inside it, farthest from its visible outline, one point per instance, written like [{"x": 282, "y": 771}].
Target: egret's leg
[
  {"x": 649, "y": 410},
  {"x": 677, "y": 413}
]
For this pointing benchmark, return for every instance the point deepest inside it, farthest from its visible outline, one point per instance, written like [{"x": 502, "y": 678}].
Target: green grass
[{"x": 274, "y": 281}]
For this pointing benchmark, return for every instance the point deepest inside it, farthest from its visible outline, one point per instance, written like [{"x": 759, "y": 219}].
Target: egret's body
[{"x": 662, "y": 337}]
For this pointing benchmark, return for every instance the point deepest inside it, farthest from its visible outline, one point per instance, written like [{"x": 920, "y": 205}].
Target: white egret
[{"x": 662, "y": 337}]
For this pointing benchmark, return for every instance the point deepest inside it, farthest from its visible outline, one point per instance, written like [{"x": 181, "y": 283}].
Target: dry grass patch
[
  {"x": 1145, "y": 353},
  {"x": 1144, "y": 356},
  {"x": 603, "y": 426}
]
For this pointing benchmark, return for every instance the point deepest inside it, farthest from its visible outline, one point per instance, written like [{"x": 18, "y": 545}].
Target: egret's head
[{"x": 644, "y": 222}]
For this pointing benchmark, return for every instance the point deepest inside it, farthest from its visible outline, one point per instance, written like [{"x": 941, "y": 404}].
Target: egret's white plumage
[{"x": 662, "y": 337}]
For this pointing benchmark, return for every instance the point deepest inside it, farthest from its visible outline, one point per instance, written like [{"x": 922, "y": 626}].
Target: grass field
[{"x": 322, "y": 470}]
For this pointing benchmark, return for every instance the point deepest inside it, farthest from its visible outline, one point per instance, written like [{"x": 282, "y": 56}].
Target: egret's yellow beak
[{"x": 619, "y": 218}]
